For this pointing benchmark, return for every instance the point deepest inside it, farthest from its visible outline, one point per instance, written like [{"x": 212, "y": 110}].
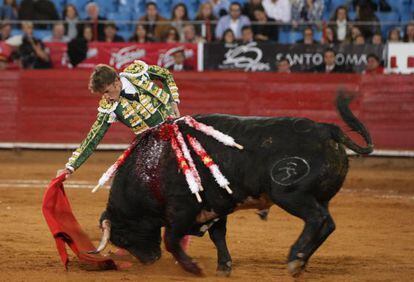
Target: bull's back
[{"x": 284, "y": 153}]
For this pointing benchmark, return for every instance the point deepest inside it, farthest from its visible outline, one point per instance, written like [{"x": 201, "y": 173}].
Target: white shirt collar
[{"x": 127, "y": 86}]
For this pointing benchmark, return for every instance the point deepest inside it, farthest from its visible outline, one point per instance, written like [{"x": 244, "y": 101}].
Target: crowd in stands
[{"x": 285, "y": 21}]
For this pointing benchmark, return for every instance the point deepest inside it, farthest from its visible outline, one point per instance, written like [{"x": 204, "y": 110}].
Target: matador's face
[{"x": 112, "y": 91}]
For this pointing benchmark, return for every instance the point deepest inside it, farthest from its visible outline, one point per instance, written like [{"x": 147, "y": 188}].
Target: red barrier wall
[{"x": 55, "y": 106}]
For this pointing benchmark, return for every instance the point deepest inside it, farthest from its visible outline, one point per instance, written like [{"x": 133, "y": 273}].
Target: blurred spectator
[
  {"x": 205, "y": 13},
  {"x": 250, "y": 6},
  {"x": 329, "y": 63},
  {"x": 262, "y": 30},
  {"x": 356, "y": 3},
  {"x": 87, "y": 33},
  {"x": 279, "y": 10},
  {"x": 171, "y": 35},
  {"x": 328, "y": 36},
  {"x": 179, "y": 61},
  {"x": 377, "y": 39},
  {"x": 394, "y": 35},
  {"x": 58, "y": 34},
  {"x": 365, "y": 14},
  {"x": 7, "y": 56},
  {"x": 190, "y": 35},
  {"x": 33, "y": 54},
  {"x": 283, "y": 65},
  {"x": 178, "y": 16},
  {"x": 359, "y": 40},
  {"x": 373, "y": 65},
  {"x": 341, "y": 24},
  {"x": 71, "y": 18},
  {"x": 110, "y": 33},
  {"x": 307, "y": 37},
  {"x": 9, "y": 11},
  {"x": 38, "y": 10},
  {"x": 220, "y": 7},
  {"x": 94, "y": 19},
  {"x": 3, "y": 62},
  {"x": 154, "y": 26},
  {"x": 228, "y": 37},
  {"x": 383, "y": 5},
  {"x": 355, "y": 32},
  {"x": 409, "y": 33},
  {"x": 235, "y": 21},
  {"x": 247, "y": 35},
  {"x": 78, "y": 47},
  {"x": 5, "y": 31},
  {"x": 140, "y": 35},
  {"x": 307, "y": 10}
]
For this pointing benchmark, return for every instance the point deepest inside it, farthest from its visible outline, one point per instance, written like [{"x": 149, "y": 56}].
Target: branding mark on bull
[{"x": 290, "y": 170}]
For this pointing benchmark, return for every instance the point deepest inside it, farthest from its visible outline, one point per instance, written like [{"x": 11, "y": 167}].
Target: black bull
[{"x": 295, "y": 163}]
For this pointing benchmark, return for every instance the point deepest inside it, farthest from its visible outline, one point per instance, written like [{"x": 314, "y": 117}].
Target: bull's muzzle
[{"x": 106, "y": 234}]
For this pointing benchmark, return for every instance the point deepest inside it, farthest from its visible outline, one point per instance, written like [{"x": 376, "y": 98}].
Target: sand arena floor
[{"x": 374, "y": 239}]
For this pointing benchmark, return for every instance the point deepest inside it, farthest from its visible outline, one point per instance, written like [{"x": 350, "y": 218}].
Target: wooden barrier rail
[{"x": 54, "y": 106}]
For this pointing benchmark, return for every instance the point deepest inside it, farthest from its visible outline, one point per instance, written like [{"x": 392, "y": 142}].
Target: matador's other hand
[{"x": 176, "y": 110}]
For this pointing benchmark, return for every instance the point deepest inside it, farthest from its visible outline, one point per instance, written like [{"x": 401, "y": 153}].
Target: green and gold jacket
[{"x": 141, "y": 105}]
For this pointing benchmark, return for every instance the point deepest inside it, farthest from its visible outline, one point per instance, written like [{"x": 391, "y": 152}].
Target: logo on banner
[
  {"x": 246, "y": 57},
  {"x": 125, "y": 56},
  {"x": 166, "y": 58}
]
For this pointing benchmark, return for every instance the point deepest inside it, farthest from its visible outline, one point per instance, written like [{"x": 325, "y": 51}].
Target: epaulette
[
  {"x": 107, "y": 107},
  {"x": 137, "y": 68}
]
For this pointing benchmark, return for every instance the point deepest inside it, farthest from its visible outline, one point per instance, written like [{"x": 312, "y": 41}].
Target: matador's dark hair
[{"x": 102, "y": 76}]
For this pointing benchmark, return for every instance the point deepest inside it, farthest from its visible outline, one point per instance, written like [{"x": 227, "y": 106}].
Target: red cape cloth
[{"x": 66, "y": 229}]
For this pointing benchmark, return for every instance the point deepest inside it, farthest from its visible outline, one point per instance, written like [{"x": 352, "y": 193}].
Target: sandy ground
[{"x": 374, "y": 239}]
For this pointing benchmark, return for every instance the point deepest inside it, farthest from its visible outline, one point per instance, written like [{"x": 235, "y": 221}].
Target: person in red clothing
[{"x": 373, "y": 65}]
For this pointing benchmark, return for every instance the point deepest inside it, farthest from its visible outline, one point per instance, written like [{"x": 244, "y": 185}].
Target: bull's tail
[{"x": 342, "y": 104}]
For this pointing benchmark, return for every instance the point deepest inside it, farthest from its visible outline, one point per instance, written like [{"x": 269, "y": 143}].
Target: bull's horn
[{"x": 106, "y": 234}]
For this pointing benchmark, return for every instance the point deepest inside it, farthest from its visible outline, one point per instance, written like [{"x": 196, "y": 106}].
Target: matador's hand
[{"x": 65, "y": 171}]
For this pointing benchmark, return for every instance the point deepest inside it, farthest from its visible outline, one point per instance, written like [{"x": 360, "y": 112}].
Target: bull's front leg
[
  {"x": 217, "y": 234},
  {"x": 179, "y": 223}
]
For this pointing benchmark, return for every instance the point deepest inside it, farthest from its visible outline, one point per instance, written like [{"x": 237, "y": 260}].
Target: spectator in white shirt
[{"x": 279, "y": 10}]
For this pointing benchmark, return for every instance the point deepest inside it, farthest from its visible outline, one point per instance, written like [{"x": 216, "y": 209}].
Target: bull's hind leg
[
  {"x": 217, "y": 234},
  {"x": 317, "y": 226},
  {"x": 326, "y": 230},
  {"x": 179, "y": 224}
]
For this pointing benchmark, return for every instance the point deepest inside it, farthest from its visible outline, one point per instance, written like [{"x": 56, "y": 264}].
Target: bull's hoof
[
  {"x": 192, "y": 267},
  {"x": 224, "y": 270},
  {"x": 296, "y": 267}
]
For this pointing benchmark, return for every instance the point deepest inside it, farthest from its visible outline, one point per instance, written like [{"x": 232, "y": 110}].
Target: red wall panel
[{"x": 55, "y": 106}]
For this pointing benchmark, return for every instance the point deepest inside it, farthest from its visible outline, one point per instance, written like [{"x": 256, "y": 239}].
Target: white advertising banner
[{"x": 400, "y": 58}]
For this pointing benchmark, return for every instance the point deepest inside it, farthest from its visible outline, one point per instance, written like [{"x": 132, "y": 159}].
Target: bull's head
[{"x": 141, "y": 237}]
